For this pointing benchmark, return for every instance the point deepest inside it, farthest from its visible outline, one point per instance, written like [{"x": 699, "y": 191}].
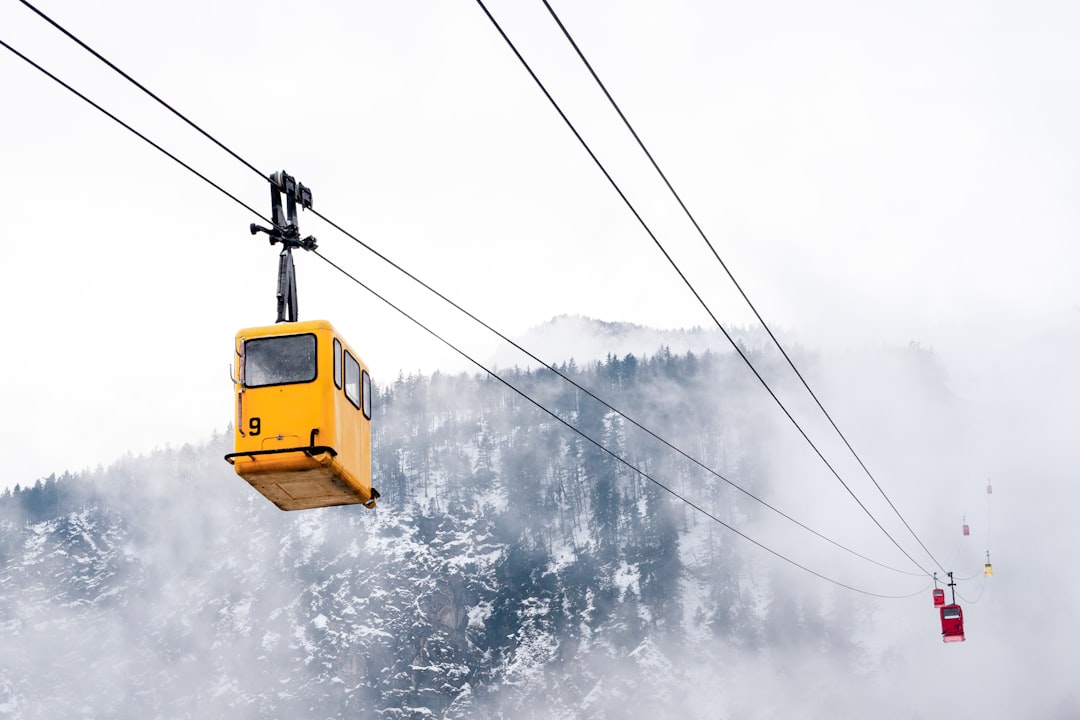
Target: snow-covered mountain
[
  {"x": 587, "y": 340},
  {"x": 513, "y": 569}
]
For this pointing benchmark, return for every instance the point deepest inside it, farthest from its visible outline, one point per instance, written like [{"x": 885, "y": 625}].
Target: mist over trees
[{"x": 512, "y": 569}]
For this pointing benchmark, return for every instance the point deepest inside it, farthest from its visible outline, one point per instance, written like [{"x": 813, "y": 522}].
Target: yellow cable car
[
  {"x": 303, "y": 416},
  {"x": 988, "y": 569}
]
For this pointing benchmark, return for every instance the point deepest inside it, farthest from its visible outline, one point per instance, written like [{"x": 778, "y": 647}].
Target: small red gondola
[
  {"x": 939, "y": 597},
  {"x": 952, "y": 623},
  {"x": 967, "y": 530}
]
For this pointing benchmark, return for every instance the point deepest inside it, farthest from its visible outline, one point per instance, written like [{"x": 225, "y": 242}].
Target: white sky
[
  {"x": 874, "y": 173},
  {"x": 871, "y": 172}
]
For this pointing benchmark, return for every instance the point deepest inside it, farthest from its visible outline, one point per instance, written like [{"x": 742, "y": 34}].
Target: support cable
[
  {"x": 257, "y": 214},
  {"x": 139, "y": 85},
  {"x": 133, "y": 131},
  {"x": 689, "y": 285},
  {"x": 555, "y": 416},
  {"x": 589, "y": 393},
  {"x": 977, "y": 598},
  {"x": 735, "y": 282},
  {"x": 442, "y": 297}
]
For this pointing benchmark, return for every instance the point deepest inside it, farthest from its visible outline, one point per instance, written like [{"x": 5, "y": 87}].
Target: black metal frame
[
  {"x": 310, "y": 450},
  {"x": 286, "y": 231}
]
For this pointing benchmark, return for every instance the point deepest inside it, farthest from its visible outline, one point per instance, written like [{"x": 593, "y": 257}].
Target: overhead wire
[
  {"x": 686, "y": 281},
  {"x": 731, "y": 276},
  {"x": 603, "y": 448},
  {"x": 589, "y": 393},
  {"x": 509, "y": 385},
  {"x": 982, "y": 589},
  {"x": 139, "y": 85},
  {"x": 130, "y": 129},
  {"x": 446, "y": 299}
]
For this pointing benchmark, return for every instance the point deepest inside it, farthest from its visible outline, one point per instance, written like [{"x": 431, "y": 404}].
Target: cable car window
[
  {"x": 352, "y": 379},
  {"x": 367, "y": 395},
  {"x": 337, "y": 363},
  {"x": 279, "y": 360},
  {"x": 950, "y": 613}
]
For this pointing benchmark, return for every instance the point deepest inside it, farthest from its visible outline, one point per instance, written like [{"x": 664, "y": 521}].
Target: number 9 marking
[{"x": 255, "y": 426}]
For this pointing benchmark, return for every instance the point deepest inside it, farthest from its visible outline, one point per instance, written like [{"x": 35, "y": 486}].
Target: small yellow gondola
[{"x": 303, "y": 416}]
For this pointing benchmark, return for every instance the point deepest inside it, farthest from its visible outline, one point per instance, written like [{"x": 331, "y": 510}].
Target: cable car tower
[{"x": 303, "y": 397}]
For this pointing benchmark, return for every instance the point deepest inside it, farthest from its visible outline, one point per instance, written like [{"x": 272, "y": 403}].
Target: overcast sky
[{"x": 873, "y": 173}]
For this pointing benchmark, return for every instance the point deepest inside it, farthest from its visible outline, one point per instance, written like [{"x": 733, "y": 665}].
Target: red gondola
[
  {"x": 952, "y": 623},
  {"x": 939, "y": 597},
  {"x": 967, "y": 530}
]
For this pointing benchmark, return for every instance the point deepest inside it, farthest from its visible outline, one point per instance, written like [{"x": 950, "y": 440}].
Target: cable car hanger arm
[{"x": 286, "y": 231}]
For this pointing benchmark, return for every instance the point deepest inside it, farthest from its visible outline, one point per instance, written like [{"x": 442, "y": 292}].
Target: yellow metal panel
[{"x": 297, "y": 416}]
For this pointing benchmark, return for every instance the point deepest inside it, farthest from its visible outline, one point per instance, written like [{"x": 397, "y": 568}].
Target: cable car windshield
[
  {"x": 951, "y": 613},
  {"x": 279, "y": 360}
]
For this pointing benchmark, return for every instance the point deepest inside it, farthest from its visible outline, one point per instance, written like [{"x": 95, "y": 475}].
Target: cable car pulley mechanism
[{"x": 286, "y": 231}]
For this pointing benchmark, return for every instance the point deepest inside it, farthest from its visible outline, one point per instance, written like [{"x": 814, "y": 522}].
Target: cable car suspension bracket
[{"x": 286, "y": 231}]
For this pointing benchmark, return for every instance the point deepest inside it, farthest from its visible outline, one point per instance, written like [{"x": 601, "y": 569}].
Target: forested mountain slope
[{"x": 513, "y": 569}]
